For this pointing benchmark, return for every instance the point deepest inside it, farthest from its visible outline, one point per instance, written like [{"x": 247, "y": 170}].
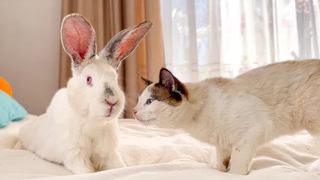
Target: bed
[{"x": 154, "y": 153}]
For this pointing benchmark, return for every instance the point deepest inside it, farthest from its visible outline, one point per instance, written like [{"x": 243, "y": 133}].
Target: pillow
[
  {"x": 5, "y": 86},
  {"x": 10, "y": 110}
]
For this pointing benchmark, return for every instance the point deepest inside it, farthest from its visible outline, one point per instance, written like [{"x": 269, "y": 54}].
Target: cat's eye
[
  {"x": 149, "y": 101},
  {"x": 89, "y": 80}
]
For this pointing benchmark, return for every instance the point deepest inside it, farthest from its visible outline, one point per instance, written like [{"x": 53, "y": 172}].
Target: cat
[{"x": 237, "y": 115}]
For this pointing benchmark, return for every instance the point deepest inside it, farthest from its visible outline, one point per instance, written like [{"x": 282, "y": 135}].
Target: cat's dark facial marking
[
  {"x": 163, "y": 94},
  {"x": 169, "y": 89}
]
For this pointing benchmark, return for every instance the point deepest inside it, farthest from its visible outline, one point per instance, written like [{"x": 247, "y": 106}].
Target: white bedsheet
[{"x": 153, "y": 153}]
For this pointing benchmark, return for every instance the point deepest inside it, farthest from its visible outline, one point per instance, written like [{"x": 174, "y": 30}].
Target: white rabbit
[{"x": 80, "y": 127}]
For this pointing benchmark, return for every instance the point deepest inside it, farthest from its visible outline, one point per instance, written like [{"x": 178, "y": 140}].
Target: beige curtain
[{"x": 109, "y": 17}]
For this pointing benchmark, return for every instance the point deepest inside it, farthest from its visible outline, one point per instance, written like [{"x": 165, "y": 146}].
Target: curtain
[
  {"x": 209, "y": 38},
  {"x": 109, "y": 17}
]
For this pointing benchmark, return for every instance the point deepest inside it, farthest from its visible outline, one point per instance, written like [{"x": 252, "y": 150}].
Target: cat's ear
[
  {"x": 168, "y": 81},
  {"x": 146, "y": 81}
]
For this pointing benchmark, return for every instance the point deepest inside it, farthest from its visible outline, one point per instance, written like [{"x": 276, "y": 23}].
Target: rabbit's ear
[
  {"x": 168, "y": 81},
  {"x": 78, "y": 40},
  {"x": 123, "y": 43}
]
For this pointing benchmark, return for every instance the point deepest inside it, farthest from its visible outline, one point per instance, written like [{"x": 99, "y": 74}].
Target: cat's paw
[
  {"x": 239, "y": 170},
  {"x": 221, "y": 167}
]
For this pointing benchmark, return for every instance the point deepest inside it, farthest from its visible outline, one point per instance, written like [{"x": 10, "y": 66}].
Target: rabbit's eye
[
  {"x": 89, "y": 80},
  {"x": 149, "y": 101}
]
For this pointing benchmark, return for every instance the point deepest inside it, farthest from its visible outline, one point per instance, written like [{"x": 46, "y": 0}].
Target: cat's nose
[{"x": 134, "y": 112}]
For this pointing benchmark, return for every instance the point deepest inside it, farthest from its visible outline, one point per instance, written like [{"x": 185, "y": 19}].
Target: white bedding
[{"x": 153, "y": 153}]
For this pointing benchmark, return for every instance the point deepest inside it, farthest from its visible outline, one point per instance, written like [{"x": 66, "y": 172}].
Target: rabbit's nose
[{"x": 111, "y": 103}]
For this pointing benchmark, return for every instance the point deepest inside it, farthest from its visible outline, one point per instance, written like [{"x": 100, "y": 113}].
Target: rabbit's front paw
[
  {"x": 82, "y": 170},
  {"x": 18, "y": 145},
  {"x": 79, "y": 166},
  {"x": 115, "y": 161}
]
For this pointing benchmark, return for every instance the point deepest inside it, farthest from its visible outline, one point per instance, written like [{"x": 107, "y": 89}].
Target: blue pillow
[{"x": 10, "y": 110}]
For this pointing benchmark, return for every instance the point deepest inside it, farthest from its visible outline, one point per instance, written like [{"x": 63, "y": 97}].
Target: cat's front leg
[
  {"x": 222, "y": 159},
  {"x": 241, "y": 157},
  {"x": 78, "y": 162}
]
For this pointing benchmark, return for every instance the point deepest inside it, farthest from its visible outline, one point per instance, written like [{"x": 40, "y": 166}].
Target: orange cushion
[{"x": 5, "y": 87}]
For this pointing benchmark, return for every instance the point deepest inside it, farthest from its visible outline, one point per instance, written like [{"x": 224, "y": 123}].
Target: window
[{"x": 209, "y": 38}]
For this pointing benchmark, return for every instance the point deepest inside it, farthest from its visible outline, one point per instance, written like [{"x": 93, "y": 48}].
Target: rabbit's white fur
[
  {"x": 237, "y": 115},
  {"x": 80, "y": 127}
]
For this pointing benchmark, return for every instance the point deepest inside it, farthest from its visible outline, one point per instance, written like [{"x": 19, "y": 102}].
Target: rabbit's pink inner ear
[
  {"x": 129, "y": 43},
  {"x": 77, "y": 36}
]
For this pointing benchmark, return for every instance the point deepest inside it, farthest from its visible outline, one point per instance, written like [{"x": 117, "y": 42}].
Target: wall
[{"x": 29, "y": 50}]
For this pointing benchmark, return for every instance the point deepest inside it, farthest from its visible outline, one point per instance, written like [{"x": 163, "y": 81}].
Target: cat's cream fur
[{"x": 238, "y": 115}]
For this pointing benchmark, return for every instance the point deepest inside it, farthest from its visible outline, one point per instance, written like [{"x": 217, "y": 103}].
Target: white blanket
[
  {"x": 154, "y": 153},
  {"x": 9, "y": 133}
]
